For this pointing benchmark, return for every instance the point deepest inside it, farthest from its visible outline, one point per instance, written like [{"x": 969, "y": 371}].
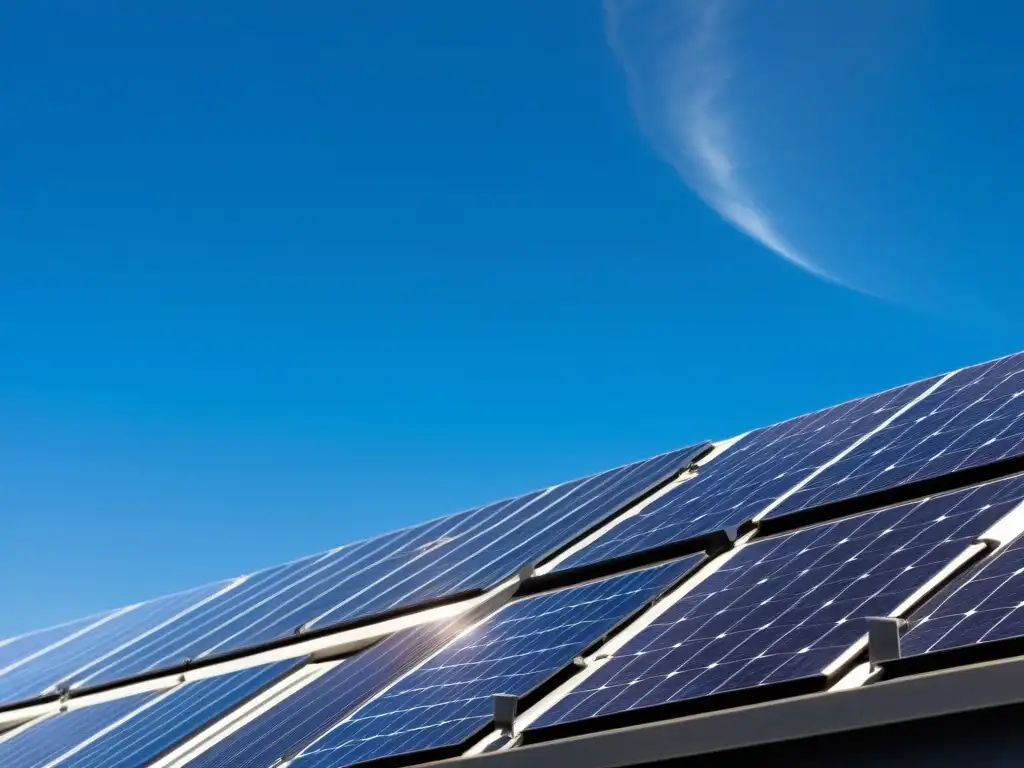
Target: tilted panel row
[
  {"x": 776, "y": 616},
  {"x": 780, "y": 612},
  {"x": 14, "y": 651},
  {"x": 776, "y": 610},
  {"x": 435, "y": 682},
  {"x": 974, "y": 419},
  {"x": 750, "y": 475},
  {"x": 449, "y": 699},
  {"x": 930, "y": 436},
  {"x": 784, "y": 612},
  {"x": 43, "y": 742},
  {"x": 280, "y": 732},
  {"x": 132, "y": 731},
  {"x": 77, "y": 646},
  {"x": 459, "y": 555},
  {"x": 978, "y": 617}
]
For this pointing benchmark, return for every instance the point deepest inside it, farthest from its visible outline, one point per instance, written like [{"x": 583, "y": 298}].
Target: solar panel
[
  {"x": 753, "y": 473},
  {"x": 462, "y": 553},
  {"x": 53, "y": 736},
  {"x": 183, "y": 710},
  {"x": 483, "y": 560},
  {"x": 294, "y": 722},
  {"x": 39, "y": 671},
  {"x": 449, "y": 698},
  {"x": 787, "y": 607},
  {"x": 781, "y": 613},
  {"x": 207, "y": 627},
  {"x": 14, "y": 649},
  {"x": 975, "y": 418},
  {"x": 984, "y": 606}
]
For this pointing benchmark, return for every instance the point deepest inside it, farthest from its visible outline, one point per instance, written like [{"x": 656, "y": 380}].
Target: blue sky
[{"x": 277, "y": 277}]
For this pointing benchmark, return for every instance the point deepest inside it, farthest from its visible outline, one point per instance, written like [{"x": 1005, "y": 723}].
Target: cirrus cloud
[{"x": 678, "y": 67}]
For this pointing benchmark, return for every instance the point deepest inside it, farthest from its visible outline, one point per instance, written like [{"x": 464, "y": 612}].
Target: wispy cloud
[{"x": 678, "y": 66}]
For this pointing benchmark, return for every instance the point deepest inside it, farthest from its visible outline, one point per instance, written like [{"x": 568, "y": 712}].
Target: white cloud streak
[{"x": 674, "y": 56}]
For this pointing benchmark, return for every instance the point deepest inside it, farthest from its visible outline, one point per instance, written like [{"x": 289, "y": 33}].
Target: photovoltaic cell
[
  {"x": 36, "y": 674},
  {"x": 284, "y": 729},
  {"x": 987, "y": 604},
  {"x": 182, "y": 711},
  {"x": 737, "y": 485},
  {"x": 466, "y": 552},
  {"x": 53, "y": 736},
  {"x": 786, "y": 607},
  {"x": 973, "y": 419},
  {"x": 450, "y": 698}
]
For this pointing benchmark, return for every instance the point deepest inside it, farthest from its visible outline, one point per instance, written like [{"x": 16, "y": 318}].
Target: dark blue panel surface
[
  {"x": 307, "y": 713},
  {"x": 449, "y": 698},
  {"x": 737, "y": 485},
  {"x": 33, "y": 676},
  {"x": 54, "y": 736},
  {"x": 467, "y": 551},
  {"x": 785, "y": 607},
  {"x": 987, "y": 604},
  {"x": 174, "y": 717},
  {"x": 974, "y": 418}
]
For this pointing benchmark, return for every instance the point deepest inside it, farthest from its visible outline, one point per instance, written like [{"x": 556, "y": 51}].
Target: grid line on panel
[
  {"x": 459, "y": 554},
  {"x": 752, "y": 474},
  {"x": 784, "y": 608},
  {"x": 518, "y": 651},
  {"x": 974, "y": 419},
  {"x": 310, "y": 710},
  {"x": 55, "y": 735},
  {"x": 185, "y": 709}
]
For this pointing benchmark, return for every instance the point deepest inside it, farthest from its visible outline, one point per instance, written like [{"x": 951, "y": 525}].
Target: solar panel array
[
  {"x": 45, "y": 741},
  {"x": 625, "y": 607},
  {"x": 135, "y": 729},
  {"x": 308, "y": 712},
  {"x": 449, "y": 698},
  {"x": 152, "y": 730},
  {"x": 752, "y": 474},
  {"x": 463, "y": 553},
  {"x": 788, "y": 606},
  {"x": 78, "y": 645},
  {"x": 974, "y": 418}
]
